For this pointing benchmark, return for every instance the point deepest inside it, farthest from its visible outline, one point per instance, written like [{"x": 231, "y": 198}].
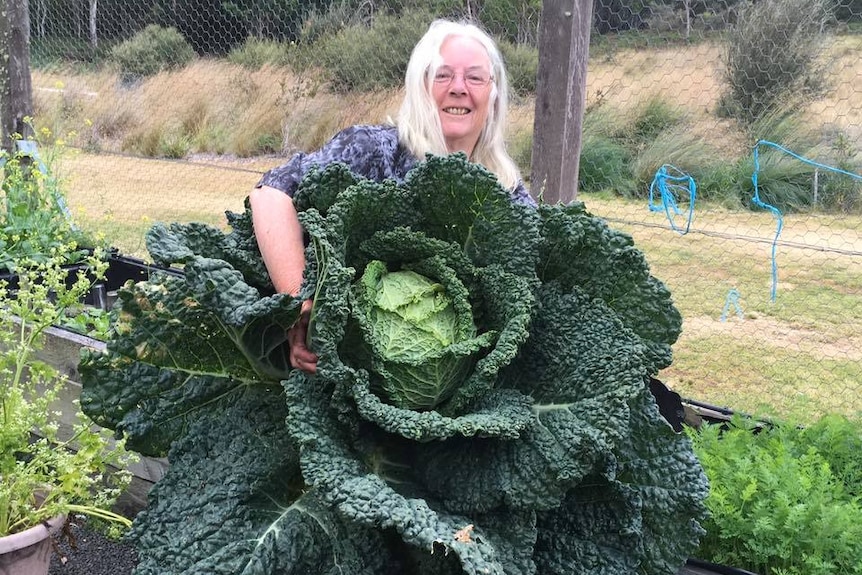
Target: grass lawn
[{"x": 798, "y": 356}]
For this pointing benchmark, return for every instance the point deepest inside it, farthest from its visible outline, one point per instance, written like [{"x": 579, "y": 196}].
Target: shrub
[
  {"x": 319, "y": 23},
  {"x": 653, "y": 118},
  {"x": 151, "y": 51},
  {"x": 772, "y": 54},
  {"x": 521, "y": 149},
  {"x": 522, "y": 65},
  {"x": 514, "y": 20},
  {"x": 719, "y": 183},
  {"x": 840, "y": 191},
  {"x": 36, "y": 225},
  {"x": 361, "y": 58},
  {"x": 679, "y": 147},
  {"x": 605, "y": 165},
  {"x": 783, "y": 181},
  {"x": 256, "y": 52}
]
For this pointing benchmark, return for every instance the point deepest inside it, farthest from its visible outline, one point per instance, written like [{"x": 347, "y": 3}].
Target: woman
[{"x": 456, "y": 97}]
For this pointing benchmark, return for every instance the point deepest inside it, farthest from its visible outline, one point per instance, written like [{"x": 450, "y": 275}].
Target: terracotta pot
[{"x": 29, "y": 552}]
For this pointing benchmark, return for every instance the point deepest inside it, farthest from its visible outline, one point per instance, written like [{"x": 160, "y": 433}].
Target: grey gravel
[{"x": 86, "y": 552}]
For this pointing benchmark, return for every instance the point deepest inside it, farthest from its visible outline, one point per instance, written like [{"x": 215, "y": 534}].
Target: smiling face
[{"x": 461, "y": 89}]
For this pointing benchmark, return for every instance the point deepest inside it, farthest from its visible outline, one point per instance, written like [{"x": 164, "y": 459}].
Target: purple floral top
[{"x": 370, "y": 151}]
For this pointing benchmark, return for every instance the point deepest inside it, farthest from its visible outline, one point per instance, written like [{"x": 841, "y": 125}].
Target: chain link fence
[{"x": 723, "y": 135}]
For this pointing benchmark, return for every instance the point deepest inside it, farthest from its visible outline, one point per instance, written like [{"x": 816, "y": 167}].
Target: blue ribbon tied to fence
[
  {"x": 674, "y": 187},
  {"x": 779, "y": 217}
]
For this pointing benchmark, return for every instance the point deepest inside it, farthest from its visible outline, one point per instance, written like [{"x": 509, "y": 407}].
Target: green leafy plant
[
  {"x": 524, "y": 440},
  {"x": 91, "y": 321},
  {"x": 784, "y": 500},
  {"x": 47, "y": 471},
  {"x": 35, "y": 225}
]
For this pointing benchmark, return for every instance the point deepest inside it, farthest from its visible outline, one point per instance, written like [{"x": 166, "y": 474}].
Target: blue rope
[
  {"x": 775, "y": 211},
  {"x": 732, "y": 299},
  {"x": 669, "y": 185}
]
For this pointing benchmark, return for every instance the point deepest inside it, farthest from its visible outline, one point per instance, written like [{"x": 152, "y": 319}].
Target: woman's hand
[{"x": 301, "y": 357}]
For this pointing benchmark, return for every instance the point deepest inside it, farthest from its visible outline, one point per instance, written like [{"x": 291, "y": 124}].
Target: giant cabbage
[{"x": 481, "y": 402}]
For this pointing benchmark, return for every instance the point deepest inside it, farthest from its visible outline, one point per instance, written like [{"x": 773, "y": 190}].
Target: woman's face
[{"x": 461, "y": 89}]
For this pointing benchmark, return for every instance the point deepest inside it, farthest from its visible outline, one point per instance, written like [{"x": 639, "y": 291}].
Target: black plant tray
[
  {"x": 120, "y": 270},
  {"x": 698, "y": 567}
]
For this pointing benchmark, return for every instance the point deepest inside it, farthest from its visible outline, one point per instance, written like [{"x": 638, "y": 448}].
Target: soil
[
  {"x": 82, "y": 551},
  {"x": 86, "y": 552}
]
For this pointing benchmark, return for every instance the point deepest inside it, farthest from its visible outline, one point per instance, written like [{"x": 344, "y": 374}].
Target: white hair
[{"x": 419, "y": 125}]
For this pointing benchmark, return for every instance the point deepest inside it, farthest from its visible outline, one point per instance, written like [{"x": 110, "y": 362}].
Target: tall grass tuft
[
  {"x": 654, "y": 117},
  {"x": 772, "y": 54},
  {"x": 605, "y": 165},
  {"x": 255, "y": 53},
  {"x": 678, "y": 147}
]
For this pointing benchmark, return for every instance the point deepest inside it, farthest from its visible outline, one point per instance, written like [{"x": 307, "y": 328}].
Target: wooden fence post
[
  {"x": 16, "y": 91},
  {"x": 564, "y": 44}
]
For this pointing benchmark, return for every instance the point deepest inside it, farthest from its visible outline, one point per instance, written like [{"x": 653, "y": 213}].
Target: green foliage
[
  {"x": 653, "y": 118},
  {"x": 605, "y": 164},
  {"x": 364, "y": 58},
  {"x": 60, "y": 52},
  {"x": 522, "y": 65},
  {"x": 151, "y": 51},
  {"x": 254, "y": 53},
  {"x": 772, "y": 55},
  {"x": 87, "y": 320},
  {"x": 35, "y": 224},
  {"x": 622, "y": 153},
  {"x": 515, "y": 21},
  {"x": 782, "y": 181},
  {"x": 839, "y": 191},
  {"x": 784, "y": 500},
  {"x": 719, "y": 183},
  {"x": 60, "y": 472},
  {"x": 679, "y": 147},
  {"x": 547, "y": 442},
  {"x": 333, "y": 17}
]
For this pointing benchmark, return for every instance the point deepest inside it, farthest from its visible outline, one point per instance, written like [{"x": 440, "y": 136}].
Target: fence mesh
[{"x": 170, "y": 110}]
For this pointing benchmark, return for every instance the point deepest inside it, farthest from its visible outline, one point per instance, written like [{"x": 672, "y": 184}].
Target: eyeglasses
[{"x": 475, "y": 78}]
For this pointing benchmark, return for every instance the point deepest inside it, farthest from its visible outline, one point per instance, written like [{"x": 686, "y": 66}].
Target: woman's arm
[{"x": 279, "y": 237}]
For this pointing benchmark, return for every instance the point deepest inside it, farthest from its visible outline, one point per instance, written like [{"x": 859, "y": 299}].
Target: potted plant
[{"x": 48, "y": 470}]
